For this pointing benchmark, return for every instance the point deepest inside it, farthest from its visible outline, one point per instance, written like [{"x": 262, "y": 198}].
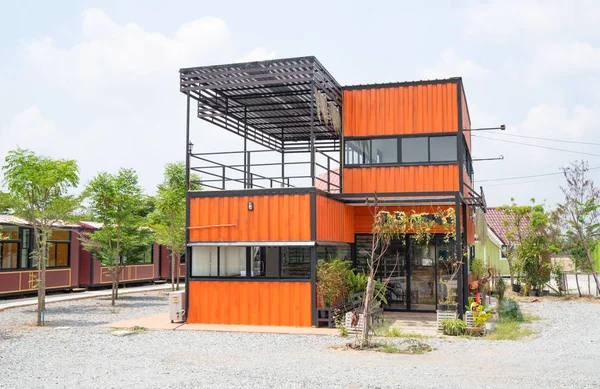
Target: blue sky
[{"x": 97, "y": 81}]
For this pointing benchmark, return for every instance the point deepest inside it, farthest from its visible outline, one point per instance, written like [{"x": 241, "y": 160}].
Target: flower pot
[
  {"x": 545, "y": 292},
  {"x": 475, "y": 331},
  {"x": 490, "y": 326},
  {"x": 533, "y": 292},
  {"x": 516, "y": 288}
]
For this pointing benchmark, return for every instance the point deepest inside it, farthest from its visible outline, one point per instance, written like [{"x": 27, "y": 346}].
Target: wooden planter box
[{"x": 441, "y": 315}]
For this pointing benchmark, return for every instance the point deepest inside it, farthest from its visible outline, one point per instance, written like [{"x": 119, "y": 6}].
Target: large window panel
[
  {"x": 232, "y": 261},
  {"x": 295, "y": 262},
  {"x": 204, "y": 261},
  {"x": 384, "y": 150},
  {"x": 58, "y": 255},
  {"x": 25, "y": 246},
  {"x": 358, "y": 152},
  {"x": 9, "y": 253},
  {"x": 415, "y": 150},
  {"x": 443, "y": 149}
]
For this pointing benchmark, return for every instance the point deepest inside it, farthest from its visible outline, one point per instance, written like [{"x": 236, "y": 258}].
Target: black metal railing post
[
  {"x": 223, "y": 177},
  {"x": 328, "y": 174}
]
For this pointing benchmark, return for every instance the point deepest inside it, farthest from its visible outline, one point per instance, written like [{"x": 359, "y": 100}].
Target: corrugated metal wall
[
  {"x": 401, "y": 179},
  {"x": 250, "y": 303},
  {"x": 413, "y": 109},
  {"x": 466, "y": 122},
  {"x": 335, "y": 221},
  {"x": 278, "y": 217}
]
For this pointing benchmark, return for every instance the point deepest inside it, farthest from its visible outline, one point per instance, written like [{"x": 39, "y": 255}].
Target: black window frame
[
  {"x": 11, "y": 241},
  {"x": 53, "y": 243},
  {"x": 399, "y": 139}
]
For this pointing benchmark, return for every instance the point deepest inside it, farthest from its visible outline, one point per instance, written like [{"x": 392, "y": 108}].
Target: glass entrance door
[
  {"x": 411, "y": 269},
  {"x": 422, "y": 277}
]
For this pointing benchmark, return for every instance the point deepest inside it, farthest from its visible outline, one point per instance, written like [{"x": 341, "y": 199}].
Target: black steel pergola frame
[{"x": 271, "y": 103}]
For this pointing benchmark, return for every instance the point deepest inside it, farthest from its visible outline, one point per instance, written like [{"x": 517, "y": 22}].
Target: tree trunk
[
  {"x": 119, "y": 269},
  {"x": 172, "y": 259},
  {"x": 367, "y": 302},
  {"x": 177, "y": 267},
  {"x": 41, "y": 283},
  {"x": 114, "y": 286}
]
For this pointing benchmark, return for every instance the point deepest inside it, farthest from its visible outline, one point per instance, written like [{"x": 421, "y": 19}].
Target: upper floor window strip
[{"x": 401, "y": 150}]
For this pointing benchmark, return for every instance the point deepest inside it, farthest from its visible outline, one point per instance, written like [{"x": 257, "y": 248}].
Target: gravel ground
[{"x": 564, "y": 354}]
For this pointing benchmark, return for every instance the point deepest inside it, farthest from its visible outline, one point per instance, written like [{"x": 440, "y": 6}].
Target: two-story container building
[{"x": 314, "y": 156}]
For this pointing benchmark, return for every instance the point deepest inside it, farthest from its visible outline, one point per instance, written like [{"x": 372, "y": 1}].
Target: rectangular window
[
  {"x": 204, "y": 261},
  {"x": 9, "y": 253},
  {"x": 415, "y": 150},
  {"x": 232, "y": 261},
  {"x": 442, "y": 148},
  {"x": 295, "y": 262},
  {"x": 384, "y": 150},
  {"x": 358, "y": 152},
  {"x": 25, "y": 246},
  {"x": 58, "y": 254},
  {"x": 58, "y": 248}
]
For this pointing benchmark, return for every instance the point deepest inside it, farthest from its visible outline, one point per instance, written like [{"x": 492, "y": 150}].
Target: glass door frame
[{"x": 409, "y": 270}]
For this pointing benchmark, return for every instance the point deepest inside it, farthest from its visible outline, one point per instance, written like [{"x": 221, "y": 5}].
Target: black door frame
[{"x": 408, "y": 269}]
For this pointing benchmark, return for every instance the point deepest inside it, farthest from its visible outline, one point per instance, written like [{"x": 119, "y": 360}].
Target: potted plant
[{"x": 479, "y": 317}]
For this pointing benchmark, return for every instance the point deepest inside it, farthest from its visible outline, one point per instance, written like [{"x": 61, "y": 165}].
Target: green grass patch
[
  {"x": 509, "y": 330},
  {"x": 392, "y": 348},
  {"x": 139, "y": 329}
]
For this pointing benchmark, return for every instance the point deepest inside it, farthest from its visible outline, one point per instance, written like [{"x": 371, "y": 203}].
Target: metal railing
[{"x": 243, "y": 171}]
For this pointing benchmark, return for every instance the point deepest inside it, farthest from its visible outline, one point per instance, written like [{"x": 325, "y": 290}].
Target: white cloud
[
  {"x": 523, "y": 19},
  {"x": 452, "y": 65},
  {"x": 125, "y": 79},
  {"x": 573, "y": 58},
  {"x": 258, "y": 54}
]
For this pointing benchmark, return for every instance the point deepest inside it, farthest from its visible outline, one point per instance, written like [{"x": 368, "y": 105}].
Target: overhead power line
[
  {"x": 532, "y": 176},
  {"x": 548, "y": 139},
  {"x": 538, "y": 146}
]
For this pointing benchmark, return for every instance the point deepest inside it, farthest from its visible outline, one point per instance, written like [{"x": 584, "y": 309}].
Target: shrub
[
  {"x": 332, "y": 281},
  {"x": 500, "y": 288},
  {"x": 454, "y": 327},
  {"x": 557, "y": 272},
  {"x": 509, "y": 310}
]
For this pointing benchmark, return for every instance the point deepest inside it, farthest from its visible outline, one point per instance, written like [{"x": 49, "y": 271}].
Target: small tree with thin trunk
[
  {"x": 115, "y": 201},
  {"x": 580, "y": 212},
  {"x": 168, "y": 219},
  {"x": 516, "y": 221},
  {"x": 396, "y": 225},
  {"x": 38, "y": 187}
]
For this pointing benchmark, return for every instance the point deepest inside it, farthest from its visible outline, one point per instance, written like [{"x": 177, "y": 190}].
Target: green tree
[
  {"x": 168, "y": 219},
  {"x": 38, "y": 188},
  {"x": 542, "y": 239},
  {"x": 516, "y": 221},
  {"x": 580, "y": 212},
  {"x": 117, "y": 202}
]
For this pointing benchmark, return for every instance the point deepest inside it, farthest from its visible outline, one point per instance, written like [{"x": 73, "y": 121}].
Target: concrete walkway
[
  {"x": 162, "y": 322},
  {"x": 409, "y": 323},
  {"x": 54, "y": 298}
]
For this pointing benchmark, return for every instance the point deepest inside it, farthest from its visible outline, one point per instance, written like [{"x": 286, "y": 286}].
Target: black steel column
[
  {"x": 246, "y": 168},
  {"x": 282, "y": 157},
  {"x": 312, "y": 131},
  {"x": 313, "y": 257},
  {"x": 188, "y": 250},
  {"x": 462, "y": 280}
]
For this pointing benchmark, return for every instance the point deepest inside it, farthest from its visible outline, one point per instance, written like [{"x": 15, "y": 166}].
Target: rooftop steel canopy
[{"x": 291, "y": 104}]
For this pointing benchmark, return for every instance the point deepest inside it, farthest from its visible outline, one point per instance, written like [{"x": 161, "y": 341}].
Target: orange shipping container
[
  {"x": 250, "y": 303},
  {"x": 281, "y": 217}
]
